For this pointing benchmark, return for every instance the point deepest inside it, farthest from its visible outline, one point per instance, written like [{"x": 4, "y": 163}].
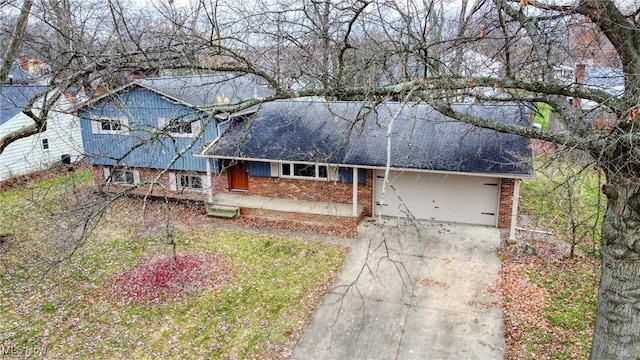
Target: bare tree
[
  {"x": 380, "y": 50},
  {"x": 532, "y": 39},
  {"x": 11, "y": 50}
]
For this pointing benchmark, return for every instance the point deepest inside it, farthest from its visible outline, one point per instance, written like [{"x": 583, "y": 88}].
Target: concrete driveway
[{"x": 409, "y": 294}]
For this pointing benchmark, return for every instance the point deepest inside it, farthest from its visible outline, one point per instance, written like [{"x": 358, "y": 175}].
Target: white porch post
[
  {"x": 514, "y": 209},
  {"x": 210, "y": 190},
  {"x": 355, "y": 191}
]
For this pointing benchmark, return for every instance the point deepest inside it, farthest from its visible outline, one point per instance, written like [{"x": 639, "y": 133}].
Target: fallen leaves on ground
[
  {"x": 535, "y": 312},
  {"x": 166, "y": 278},
  {"x": 429, "y": 281}
]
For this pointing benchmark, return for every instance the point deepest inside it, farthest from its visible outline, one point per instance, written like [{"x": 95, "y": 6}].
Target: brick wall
[
  {"x": 506, "y": 203},
  {"x": 314, "y": 190},
  {"x": 334, "y": 225},
  {"x": 295, "y": 189},
  {"x": 220, "y": 182},
  {"x": 274, "y": 187},
  {"x": 161, "y": 187}
]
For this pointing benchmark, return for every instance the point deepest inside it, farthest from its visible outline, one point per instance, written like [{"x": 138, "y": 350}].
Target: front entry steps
[{"x": 223, "y": 211}]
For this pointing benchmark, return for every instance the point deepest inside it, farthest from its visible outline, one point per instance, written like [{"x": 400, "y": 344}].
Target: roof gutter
[{"x": 500, "y": 175}]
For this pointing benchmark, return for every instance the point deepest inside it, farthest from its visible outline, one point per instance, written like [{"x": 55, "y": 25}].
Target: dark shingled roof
[
  {"x": 203, "y": 90},
  {"x": 351, "y": 133}
]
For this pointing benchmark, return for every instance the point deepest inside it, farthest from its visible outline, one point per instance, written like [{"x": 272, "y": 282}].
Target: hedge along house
[
  {"x": 333, "y": 156},
  {"x": 141, "y": 138}
]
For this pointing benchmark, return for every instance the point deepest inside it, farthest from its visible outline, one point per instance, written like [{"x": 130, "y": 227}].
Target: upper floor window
[
  {"x": 299, "y": 170},
  {"x": 45, "y": 144},
  {"x": 111, "y": 125},
  {"x": 118, "y": 125},
  {"x": 179, "y": 127}
]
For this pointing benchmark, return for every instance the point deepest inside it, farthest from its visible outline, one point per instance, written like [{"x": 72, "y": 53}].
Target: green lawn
[{"x": 256, "y": 310}]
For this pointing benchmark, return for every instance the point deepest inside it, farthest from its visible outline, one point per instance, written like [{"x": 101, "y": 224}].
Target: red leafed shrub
[{"x": 165, "y": 278}]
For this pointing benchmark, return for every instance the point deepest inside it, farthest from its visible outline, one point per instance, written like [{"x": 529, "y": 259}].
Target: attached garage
[
  {"x": 441, "y": 169},
  {"x": 442, "y": 197}
]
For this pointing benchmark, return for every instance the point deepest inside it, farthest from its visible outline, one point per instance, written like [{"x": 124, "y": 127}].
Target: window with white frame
[
  {"x": 179, "y": 127},
  {"x": 110, "y": 125},
  {"x": 119, "y": 125},
  {"x": 124, "y": 177},
  {"x": 190, "y": 182},
  {"x": 306, "y": 171},
  {"x": 45, "y": 144}
]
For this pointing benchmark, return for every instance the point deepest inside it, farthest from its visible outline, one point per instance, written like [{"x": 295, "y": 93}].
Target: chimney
[
  {"x": 580, "y": 75},
  {"x": 24, "y": 62},
  {"x": 71, "y": 93}
]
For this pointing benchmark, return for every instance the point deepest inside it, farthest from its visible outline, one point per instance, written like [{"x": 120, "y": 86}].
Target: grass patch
[
  {"x": 72, "y": 311},
  {"x": 570, "y": 289}
]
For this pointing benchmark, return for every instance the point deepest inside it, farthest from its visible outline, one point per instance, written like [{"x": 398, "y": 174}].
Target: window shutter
[
  {"x": 333, "y": 173},
  {"x": 173, "y": 182},
  {"x": 96, "y": 126},
  {"x": 136, "y": 177},
  {"x": 206, "y": 184},
  {"x": 124, "y": 121},
  {"x": 275, "y": 169},
  {"x": 106, "y": 172},
  {"x": 196, "y": 127},
  {"x": 162, "y": 122}
]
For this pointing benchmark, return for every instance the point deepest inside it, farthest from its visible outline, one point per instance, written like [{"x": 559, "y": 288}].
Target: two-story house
[{"x": 143, "y": 137}]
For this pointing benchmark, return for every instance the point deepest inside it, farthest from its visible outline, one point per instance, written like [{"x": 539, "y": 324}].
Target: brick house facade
[
  {"x": 285, "y": 188},
  {"x": 505, "y": 206},
  {"x": 312, "y": 190}
]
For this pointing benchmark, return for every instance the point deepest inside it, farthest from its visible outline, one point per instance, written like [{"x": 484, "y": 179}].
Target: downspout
[
  {"x": 581, "y": 70},
  {"x": 355, "y": 191},
  {"x": 514, "y": 209},
  {"x": 210, "y": 192}
]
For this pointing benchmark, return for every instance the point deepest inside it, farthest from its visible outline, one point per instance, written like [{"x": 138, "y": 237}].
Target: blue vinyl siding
[
  {"x": 215, "y": 165},
  {"x": 143, "y": 108},
  {"x": 346, "y": 175},
  {"x": 262, "y": 169}
]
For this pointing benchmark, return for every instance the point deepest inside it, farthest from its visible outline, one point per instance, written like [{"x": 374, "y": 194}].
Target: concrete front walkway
[
  {"x": 408, "y": 294},
  {"x": 286, "y": 205}
]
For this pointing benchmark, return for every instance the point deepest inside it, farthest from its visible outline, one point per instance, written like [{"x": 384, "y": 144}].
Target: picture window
[{"x": 306, "y": 171}]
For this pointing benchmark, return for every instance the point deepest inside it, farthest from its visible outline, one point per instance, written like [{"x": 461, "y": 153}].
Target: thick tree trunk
[
  {"x": 11, "y": 50},
  {"x": 617, "y": 329}
]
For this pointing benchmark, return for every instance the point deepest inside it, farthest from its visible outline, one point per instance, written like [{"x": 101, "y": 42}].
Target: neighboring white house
[{"x": 61, "y": 140}]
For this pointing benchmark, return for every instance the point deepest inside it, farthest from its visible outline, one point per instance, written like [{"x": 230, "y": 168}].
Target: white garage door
[{"x": 456, "y": 198}]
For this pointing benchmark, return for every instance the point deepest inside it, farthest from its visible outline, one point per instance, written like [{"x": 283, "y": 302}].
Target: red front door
[{"x": 238, "y": 176}]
